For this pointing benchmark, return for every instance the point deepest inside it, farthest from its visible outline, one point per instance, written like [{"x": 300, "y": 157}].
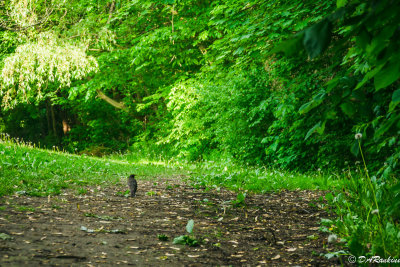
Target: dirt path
[{"x": 271, "y": 230}]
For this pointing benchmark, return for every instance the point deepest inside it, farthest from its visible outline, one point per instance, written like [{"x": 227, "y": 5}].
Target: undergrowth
[{"x": 368, "y": 215}]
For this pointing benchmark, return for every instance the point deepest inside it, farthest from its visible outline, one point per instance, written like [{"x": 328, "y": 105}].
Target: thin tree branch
[
  {"x": 111, "y": 101},
  {"x": 111, "y": 11}
]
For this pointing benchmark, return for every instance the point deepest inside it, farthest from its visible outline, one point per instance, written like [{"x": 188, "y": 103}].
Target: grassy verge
[
  {"x": 42, "y": 172},
  {"x": 39, "y": 172},
  {"x": 258, "y": 180},
  {"x": 226, "y": 173}
]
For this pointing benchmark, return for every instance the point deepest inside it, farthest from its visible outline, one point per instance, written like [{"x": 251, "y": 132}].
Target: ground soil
[{"x": 103, "y": 228}]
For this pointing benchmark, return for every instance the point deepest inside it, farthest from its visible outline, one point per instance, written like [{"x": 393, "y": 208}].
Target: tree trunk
[
  {"x": 48, "y": 117},
  {"x": 53, "y": 118}
]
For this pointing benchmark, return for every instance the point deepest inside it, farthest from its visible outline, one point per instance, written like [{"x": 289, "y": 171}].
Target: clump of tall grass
[{"x": 368, "y": 210}]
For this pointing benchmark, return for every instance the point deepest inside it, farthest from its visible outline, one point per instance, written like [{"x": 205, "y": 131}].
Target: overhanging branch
[{"x": 111, "y": 101}]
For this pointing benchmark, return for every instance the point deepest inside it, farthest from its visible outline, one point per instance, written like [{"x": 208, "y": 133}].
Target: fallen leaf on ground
[{"x": 276, "y": 257}]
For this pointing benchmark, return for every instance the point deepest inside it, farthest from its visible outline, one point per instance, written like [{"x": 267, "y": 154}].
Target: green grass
[
  {"x": 259, "y": 180},
  {"x": 226, "y": 173},
  {"x": 37, "y": 172},
  {"x": 25, "y": 208}
]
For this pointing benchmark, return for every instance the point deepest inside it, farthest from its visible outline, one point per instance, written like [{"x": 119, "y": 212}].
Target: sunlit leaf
[
  {"x": 189, "y": 226},
  {"x": 341, "y": 3}
]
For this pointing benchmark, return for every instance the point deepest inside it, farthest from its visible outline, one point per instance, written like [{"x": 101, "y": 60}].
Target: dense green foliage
[
  {"x": 282, "y": 84},
  {"x": 191, "y": 78},
  {"x": 365, "y": 91},
  {"x": 364, "y": 88},
  {"x": 197, "y": 78}
]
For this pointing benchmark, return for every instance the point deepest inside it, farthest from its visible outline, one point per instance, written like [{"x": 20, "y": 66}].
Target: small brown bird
[{"x": 132, "y": 183}]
